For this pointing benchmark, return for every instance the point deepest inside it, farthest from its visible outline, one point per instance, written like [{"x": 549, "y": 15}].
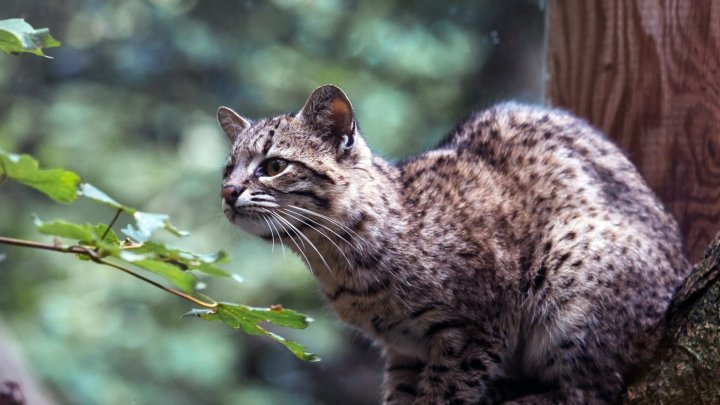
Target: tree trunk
[
  {"x": 647, "y": 72},
  {"x": 687, "y": 370}
]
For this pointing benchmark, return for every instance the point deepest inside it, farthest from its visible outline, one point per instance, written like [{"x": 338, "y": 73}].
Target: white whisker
[
  {"x": 321, "y": 233},
  {"x": 272, "y": 234},
  {"x": 277, "y": 216},
  {"x": 328, "y": 228},
  {"x": 282, "y": 245},
  {"x": 312, "y": 245},
  {"x": 332, "y": 221}
]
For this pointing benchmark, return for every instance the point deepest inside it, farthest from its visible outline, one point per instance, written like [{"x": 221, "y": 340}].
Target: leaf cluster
[{"x": 135, "y": 250}]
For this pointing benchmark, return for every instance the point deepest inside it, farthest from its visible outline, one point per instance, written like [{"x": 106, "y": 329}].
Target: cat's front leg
[
  {"x": 402, "y": 374},
  {"x": 459, "y": 368}
]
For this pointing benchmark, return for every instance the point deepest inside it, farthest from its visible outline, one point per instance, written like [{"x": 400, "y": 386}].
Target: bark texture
[{"x": 687, "y": 370}]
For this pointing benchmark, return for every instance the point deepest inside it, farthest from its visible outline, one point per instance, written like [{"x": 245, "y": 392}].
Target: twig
[
  {"x": 90, "y": 252},
  {"x": 117, "y": 214},
  {"x": 158, "y": 285},
  {"x": 37, "y": 245}
]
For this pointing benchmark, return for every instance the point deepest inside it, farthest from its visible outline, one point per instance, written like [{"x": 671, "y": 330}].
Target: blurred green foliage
[{"x": 128, "y": 102}]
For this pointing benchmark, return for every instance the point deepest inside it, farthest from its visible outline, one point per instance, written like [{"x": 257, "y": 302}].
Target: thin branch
[
  {"x": 158, "y": 285},
  {"x": 90, "y": 252},
  {"x": 37, "y": 245},
  {"x": 117, "y": 214}
]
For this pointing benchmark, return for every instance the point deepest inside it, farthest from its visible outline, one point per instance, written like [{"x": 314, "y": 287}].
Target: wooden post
[{"x": 647, "y": 72}]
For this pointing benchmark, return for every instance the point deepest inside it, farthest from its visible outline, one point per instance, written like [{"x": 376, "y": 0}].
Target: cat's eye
[
  {"x": 273, "y": 167},
  {"x": 228, "y": 169}
]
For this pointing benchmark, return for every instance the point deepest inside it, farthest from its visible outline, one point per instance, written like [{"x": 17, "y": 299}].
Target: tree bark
[
  {"x": 687, "y": 369},
  {"x": 647, "y": 72}
]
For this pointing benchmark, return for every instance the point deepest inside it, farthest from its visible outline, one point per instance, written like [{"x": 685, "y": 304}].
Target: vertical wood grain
[{"x": 647, "y": 72}]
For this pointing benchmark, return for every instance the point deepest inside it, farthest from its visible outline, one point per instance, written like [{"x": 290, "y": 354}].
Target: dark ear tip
[
  {"x": 228, "y": 113},
  {"x": 328, "y": 86},
  {"x": 331, "y": 86},
  {"x": 330, "y": 90}
]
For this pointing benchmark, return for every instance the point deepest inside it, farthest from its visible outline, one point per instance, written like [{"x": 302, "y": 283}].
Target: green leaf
[
  {"x": 214, "y": 271},
  {"x": 89, "y": 191},
  {"x": 60, "y": 185},
  {"x": 65, "y": 229},
  {"x": 110, "y": 235},
  {"x": 283, "y": 317},
  {"x": 145, "y": 223},
  {"x": 167, "y": 225},
  {"x": 92, "y": 235},
  {"x": 184, "y": 259},
  {"x": 17, "y": 36},
  {"x": 185, "y": 281},
  {"x": 249, "y": 318},
  {"x": 84, "y": 234}
]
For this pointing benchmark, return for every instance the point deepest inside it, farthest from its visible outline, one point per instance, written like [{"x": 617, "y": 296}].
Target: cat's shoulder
[
  {"x": 512, "y": 137},
  {"x": 515, "y": 124}
]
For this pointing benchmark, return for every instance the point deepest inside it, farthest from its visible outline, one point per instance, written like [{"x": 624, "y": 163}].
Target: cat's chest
[
  {"x": 408, "y": 338},
  {"x": 387, "y": 321}
]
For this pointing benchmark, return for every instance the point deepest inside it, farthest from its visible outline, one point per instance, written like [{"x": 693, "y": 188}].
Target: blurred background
[{"x": 129, "y": 101}]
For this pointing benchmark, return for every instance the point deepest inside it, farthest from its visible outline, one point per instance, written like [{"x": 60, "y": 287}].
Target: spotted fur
[{"x": 524, "y": 260}]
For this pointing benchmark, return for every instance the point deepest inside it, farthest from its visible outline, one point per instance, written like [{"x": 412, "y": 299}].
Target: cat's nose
[{"x": 231, "y": 193}]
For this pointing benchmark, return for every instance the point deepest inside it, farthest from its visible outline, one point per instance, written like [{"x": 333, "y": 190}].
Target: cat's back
[
  {"x": 570, "y": 225},
  {"x": 550, "y": 161},
  {"x": 558, "y": 185}
]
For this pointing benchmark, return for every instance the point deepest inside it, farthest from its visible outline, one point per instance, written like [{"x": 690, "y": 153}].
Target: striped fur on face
[{"x": 281, "y": 170}]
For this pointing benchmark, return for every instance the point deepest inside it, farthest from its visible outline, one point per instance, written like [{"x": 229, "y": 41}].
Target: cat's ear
[
  {"x": 231, "y": 122},
  {"x": 329, "y": 111}
]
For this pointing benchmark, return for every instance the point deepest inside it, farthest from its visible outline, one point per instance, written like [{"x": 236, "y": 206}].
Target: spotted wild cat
[{"x": 524, "y": 260}]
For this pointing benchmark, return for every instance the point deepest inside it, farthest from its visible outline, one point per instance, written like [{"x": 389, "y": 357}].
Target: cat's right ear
[
  {"x": 231, "y": 122},
  {"x": 329, "y": 111}
]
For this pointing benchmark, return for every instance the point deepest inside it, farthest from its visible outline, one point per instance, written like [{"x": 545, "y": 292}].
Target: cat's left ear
[
  {"x": 231, "y": 122},
  {"x": 329, "y": 111}
]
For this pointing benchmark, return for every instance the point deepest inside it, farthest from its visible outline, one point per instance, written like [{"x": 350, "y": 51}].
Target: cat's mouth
[{"x": 263, "y": 222}]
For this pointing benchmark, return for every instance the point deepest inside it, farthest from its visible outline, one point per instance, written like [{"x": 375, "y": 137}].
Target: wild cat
[{"x": 523, "y": 260}]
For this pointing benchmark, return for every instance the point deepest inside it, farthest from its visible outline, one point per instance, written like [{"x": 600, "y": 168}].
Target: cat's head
[{"x": 284, "y": 172}]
